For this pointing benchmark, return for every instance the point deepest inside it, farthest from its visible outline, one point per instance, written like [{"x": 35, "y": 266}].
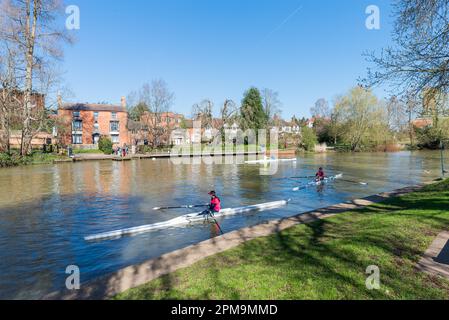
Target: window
[
  {"x": 114, "y": 115},
  {"x": 95, "y": 116},
  {"x": 77, "y": 139},
  {"x": 76, "y": 114},
  {"x": 77, "y": 125},
  {"x": 115, "y": 126},
  {"x": 96, "y": 126},
  {"x": 115, "y": 138}
]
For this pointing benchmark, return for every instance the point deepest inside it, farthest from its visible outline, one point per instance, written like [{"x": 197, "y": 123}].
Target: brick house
[{"x": 88, "y": 122}]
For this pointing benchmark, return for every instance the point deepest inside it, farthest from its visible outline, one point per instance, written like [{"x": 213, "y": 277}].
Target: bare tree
[
  {"x": 28, "y": 26},
  {"x": 8, "y": 103},
  {"x": 321, "y": 109},
  {"x": 411, "y": 108},
  {"x": 159, "y": 99},
  {"x": 229, "y": 113},
  {"x": 396, "y": 114},
  {"x": 271, "y": 104},
  {"x": 203, "y": 112},
  {"x": 420, "y": 58}
]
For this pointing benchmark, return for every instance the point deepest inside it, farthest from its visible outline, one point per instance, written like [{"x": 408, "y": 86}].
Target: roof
[
  {"x": 217, "y": 123},
  {"x": 168, "y": 114},
  {"x": 134, "y": 125},
  {"x": 188, "y": 124},
  {"x": 422, "y": 122},
  {"x": 92, "y": 107}
]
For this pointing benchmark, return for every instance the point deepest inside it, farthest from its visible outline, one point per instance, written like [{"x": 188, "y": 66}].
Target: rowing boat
[
  {"x": 318, "y": 183},
  {"x": 270, "y": 160},
  {"x": 185, "y": 220}
]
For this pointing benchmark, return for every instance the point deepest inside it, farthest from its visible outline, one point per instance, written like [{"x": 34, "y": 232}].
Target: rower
[
  {"x": 320, "y": 175},
  {"x": 214, "y": 206}
]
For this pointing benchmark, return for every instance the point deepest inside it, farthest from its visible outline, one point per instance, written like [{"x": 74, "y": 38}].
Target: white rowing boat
[
  {"x": 270, "y": 160},
  {"x": 318, "y": 183},
  {"x": 185, "y": 220}
]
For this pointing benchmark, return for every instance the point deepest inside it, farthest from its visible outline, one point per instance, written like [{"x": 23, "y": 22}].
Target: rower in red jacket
[
  {"x": 320, "y": 175},
  {"x": 215, "y": 202},
  {"x": 214, "y": 205}
]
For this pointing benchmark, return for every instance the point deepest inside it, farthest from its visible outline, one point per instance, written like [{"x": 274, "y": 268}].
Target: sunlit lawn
[{"x": 324, "y": 260}]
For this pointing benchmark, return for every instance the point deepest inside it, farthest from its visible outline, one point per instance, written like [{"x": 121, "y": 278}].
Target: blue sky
[{"x": 216, "y": 49}]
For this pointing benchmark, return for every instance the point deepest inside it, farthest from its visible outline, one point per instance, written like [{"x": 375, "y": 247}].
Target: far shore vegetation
[{"x": 325, "y": 259}]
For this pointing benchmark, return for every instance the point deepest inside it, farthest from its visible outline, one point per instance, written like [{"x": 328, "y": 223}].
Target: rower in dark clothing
[{"x": 320, "y": 175}]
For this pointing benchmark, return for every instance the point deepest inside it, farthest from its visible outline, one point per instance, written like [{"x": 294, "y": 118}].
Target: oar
[
  {"x": 216, "y": 222},
  {"x": 305, "y": 177},
  {"x": 182, "y": 207},
  {"x": 356, "y": 182}
]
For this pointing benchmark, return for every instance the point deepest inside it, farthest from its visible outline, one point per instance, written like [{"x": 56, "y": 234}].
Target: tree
[
  {"x": 252, "y": 114},
  {"x": 397, "y": 114},
  {"x": 136, "y": 112},
  {"x": 420, "y": 58},
  {"x": 28, "y": 28},
  {"x": 229, "y": 115},
  {"x": 359, "y": 111},
  {"x": 321, "y": 109},
  {"x": 105, "y": 145},
  {"x": 335, "y": 125},
  {"x": 152, "y": 101},
  {"x": 308, "y": 139},
  {"x": 203, "y": 112},
  {"x": 9, "y": 104},
  {"x": 411, "y": 107},
  {"x": 271, "y": 104}
]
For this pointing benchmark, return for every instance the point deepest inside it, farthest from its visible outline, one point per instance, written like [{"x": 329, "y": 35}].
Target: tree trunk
[{"x": 31, "y": 21}]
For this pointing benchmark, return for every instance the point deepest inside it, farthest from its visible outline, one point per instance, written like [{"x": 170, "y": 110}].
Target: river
[{"x": 46, "y": 211}]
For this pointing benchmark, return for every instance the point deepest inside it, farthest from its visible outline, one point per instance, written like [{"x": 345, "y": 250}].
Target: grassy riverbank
[
  {"x": 14, "y": 160},
  {"x": 326, "y": 259}
]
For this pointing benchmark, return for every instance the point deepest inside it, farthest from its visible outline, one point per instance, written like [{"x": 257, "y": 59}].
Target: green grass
[
  {"x": 43, "y": 158},
  {"x": 87, "y": 151},
  {"x": 326, "y": 259}
]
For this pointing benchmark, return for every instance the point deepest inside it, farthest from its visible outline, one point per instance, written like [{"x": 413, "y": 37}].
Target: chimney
[{"x": 123, "y": 102}]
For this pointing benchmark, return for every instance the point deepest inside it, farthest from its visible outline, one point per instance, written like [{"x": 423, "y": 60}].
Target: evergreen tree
[
  {"x": 136, "y": 112},
  {"x": 252, "y": 114}
]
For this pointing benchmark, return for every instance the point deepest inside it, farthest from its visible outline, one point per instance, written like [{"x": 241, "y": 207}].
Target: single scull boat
[
  {"x": 318, "y": 183},
  {"x": 185, "y": 220}
]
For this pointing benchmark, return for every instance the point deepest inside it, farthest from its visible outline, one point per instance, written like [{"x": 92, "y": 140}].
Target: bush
[
  {"x": 11, "y": 160},
  {"x": 105, "y": 145},
  {"x": 429, "y": 137},
  {"x": 309, "y": 139}
]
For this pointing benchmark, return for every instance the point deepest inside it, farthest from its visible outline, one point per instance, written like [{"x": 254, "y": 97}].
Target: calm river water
[{"x": 46, "y": 211}]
